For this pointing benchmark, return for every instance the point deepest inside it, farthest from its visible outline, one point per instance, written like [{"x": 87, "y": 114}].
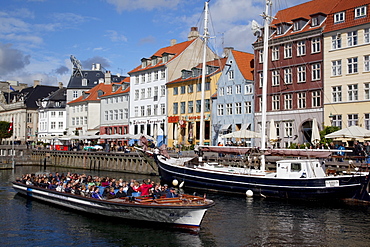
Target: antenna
[{"x": 77, "y": 68}]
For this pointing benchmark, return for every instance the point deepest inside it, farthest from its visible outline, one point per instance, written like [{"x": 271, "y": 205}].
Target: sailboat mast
[
  {"x": 205, "y": 40},
  {"x": 267, "y": 19}
]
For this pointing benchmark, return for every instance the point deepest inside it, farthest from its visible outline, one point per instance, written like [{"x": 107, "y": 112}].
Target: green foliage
[
  {"x": 4, "y": 130},
  {"x": 325, "y": 131}
]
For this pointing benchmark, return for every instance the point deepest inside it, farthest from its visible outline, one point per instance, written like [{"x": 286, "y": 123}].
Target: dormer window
[
  {"x": 297, "y": 26},
  {"x": 84, "y": 82},
  {"x": 165, "y": 58},
  {"x": 315, "y": 21},
  {"x": 154, "y": 60},
  {"x": 360, "y": 12},
  {"x": 299, "y": 23},
  {"x": 100, "y": 93},
  {"x": 279, "y": 30},
  {"x": 144, "y": 62},
  {"x": 339, "y": 17}
]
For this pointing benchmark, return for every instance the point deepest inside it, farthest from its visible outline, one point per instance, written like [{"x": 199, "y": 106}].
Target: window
[
  {"x": 337, "y": 121},
  {"x": 163, "y": 109},
  {"x": 52, "y": 114},
  {"x": 74, "y": 94},
  {"x": 60, "y": 125},
  {"x": 137, "y": 80},
  {"x": 142, "y": 94},
  {"x": 221, "y": 91},
  {"x": 367, "y": 90},
  {"x": 142, "y": 78},
  {"x": 136, "y": 110},
  {"x": 301, "y": 48},
  {"x": 182, "y": 107},
  {"x": 352, "y": 119},
  {"x": 220, "y": 110},
  {"x": 276, "y": 102},
  {"x": 247, "y": 107},
  {"x": 207, "y": 105},
  {"x": 155, "y": 110},
  {"x": 73, "y": 121},
  {"x": 367, "y": 121},
  {"x": 77, "y": 121},
  {"x": 238, "y": 89},
  {"x": 190, "y": 106},
  {"x": 360, "y": 12},
  {"x": 106, "y": 115},
  {"x": 115, "y": 114},
  {"x": 149, "y": 92},
  {"x": 339, "y": 17},
  {"x": 301, "y": 100},
  {"x": 367, "y": 35},
  {"x": 229, "y": 90},
  {"x": 261, "y": 56},
  {"x": 336, "y": 68},
  {"x": 352, "y": 38},
  {"x": 142, "y": 111},
  {"x": 163, "y": 74},
  {"x": 316, "y": 71},
  {"x": 136, "y": 94},
  {"x": 175, "y": 91},
  {"x": 352, "y": 65},
  {"x": 197, "y": 106},
  {"x": 296, "y": 26},
  {"x": 336, "y": 41},
  {"x": 52, "y": 126},
  {"x": 316, "y": 98},
  {"x": 248, "y": 89},
  {"x": 207, "y": 85},
  {"x": 366, "y": 63},
  {"x": 231, "y": 74},
  {"x": 126, "y": 112},
  {"x": 149, "y": 110},
  {"x": 155, "y": 75},
  {"x": 261, "y": 79},
  {"x": 229, "y": 109},
  {"x": 120, "y": 114},
  {"x": 288, "y": 101},
  {"x": 275, "y": 78},
  {"x": 275, "y": 53},
  {"x": 352, "y": 92},
  {"x": 190, "y": 88},
  {"x": 288, "y": 129},
  {"x": 301, "y": 74},
  {"x": 314, "y": 21},
  {"x": 182, "y": 89},
  {"x": 336, "y": 93},
  {"x": 163, "y": 90},
  {"x": 288, "y": 76},
  {"x": 238, "y": 108},
  {"x": 315, "y": 45},
  {"x": 288, "y": 50}
]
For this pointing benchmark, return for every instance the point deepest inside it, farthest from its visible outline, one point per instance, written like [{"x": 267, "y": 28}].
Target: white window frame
[
  {"x": 352, "y": 65},
  {"x": 315, "y": 45},
  {"x": 316, "y": 98},
  {"x": 288, "y": 76},
  {"x": 301, "y": 74},
  {"x": 275, "y": 77},
  {"x": 301, "y": 100},
  {"x": 336, "y": 41},
  {"x": 220, "y": 110},
  {"x": 352, "y": 92},
  {"x": 288, "y": 101},
  {"x": 316, "y": 71},
  {"x": 336, "y": 92},
  {"x": 339, "y": 17},
  {"x": 275, "y": 53},
  {"x": 360, "y": 12},
  {"x": 352, "y": 39},
  {"x": 275, "y": 102},
  {"x": 367, "y": 63},
  {"x": 247, "y": 107},
  {"x": 336, "y": 68},
  {"x": 288, "y": 50},
  {"x": 301, "y": 48}
]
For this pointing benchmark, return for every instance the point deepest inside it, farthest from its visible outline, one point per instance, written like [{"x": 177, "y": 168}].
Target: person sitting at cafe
[{"x": 172, "y": 193}]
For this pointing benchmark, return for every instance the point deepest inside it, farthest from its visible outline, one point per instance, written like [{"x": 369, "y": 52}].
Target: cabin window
[{"x": 295, "y": 167}]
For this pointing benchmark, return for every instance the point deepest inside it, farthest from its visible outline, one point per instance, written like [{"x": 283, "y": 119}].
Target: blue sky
[{"x": 37, "y": 37}]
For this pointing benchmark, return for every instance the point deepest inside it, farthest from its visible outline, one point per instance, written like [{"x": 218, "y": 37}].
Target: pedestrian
[{"x": 367, "y": 152}]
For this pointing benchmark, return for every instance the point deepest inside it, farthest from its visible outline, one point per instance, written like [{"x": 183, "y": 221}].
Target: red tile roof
[
  {"x": 92, "y": 94},
  {"x": 245, "y": 63},
  {"x": 176, "y": 49},
  {"x": 350, "y": 20}
]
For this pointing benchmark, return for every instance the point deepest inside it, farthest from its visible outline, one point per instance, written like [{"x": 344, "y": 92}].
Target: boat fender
[
  {"x": 249, "y": 193},
  {"x": 175, "y": 182},
  {"x": 182, "y": 184}
]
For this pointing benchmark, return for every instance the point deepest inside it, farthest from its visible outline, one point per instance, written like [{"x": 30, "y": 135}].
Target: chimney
[
  {"x": 193, "y": 34},
  {"x": 227, "y": 51},
  {"x": 60, "y": 84},
  {"x": 36, "y": 83},
  {"x": 107, "y": 78},
  {"x": 173, "y": 42}
]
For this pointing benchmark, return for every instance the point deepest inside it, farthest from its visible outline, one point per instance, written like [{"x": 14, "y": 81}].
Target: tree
[
  {"x": 325, "y": 131},
  {"x": 6, "y": 129}
]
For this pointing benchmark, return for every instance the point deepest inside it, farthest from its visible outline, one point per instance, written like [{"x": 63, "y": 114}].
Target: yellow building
[
  {"x": 347, "y": 66},
  {"x": 184, "y": 104}
]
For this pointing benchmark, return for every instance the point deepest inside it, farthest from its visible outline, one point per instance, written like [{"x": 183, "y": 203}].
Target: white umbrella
[
  {"x": 315, "y": 134},
  {"x": 247, "y": 134},
  {"x": 273, "y": 134},
  {"x": 354, "y": 132}
]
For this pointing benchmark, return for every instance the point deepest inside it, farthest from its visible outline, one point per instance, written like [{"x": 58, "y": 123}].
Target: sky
[{"x": 37, "y": 37}]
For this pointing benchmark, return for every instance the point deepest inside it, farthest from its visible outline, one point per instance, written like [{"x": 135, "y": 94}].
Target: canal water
[{"x": 234, "y": 221}]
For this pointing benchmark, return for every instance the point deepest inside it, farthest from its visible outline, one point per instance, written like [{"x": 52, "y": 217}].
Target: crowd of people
[{"x": 98, "y": 187}]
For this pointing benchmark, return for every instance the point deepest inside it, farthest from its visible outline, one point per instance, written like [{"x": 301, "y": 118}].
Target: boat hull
[
  {"x": 327, "y": 188},
  {"x": 175, "y": 215}
]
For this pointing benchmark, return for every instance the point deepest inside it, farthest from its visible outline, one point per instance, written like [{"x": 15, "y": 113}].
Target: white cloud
[
  {"x": 122, "y": 5},
  {"x": 115, "y": 37}
]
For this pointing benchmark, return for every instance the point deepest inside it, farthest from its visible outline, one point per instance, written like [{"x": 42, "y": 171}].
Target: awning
[
  {"x": 245, "y": 126},
  {"x": 225, "y": 127}
]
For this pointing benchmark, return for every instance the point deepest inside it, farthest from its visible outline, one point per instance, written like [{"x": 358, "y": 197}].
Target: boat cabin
[{"x": 300, "y": 169}]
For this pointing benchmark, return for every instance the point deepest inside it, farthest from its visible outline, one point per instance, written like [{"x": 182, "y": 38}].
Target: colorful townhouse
[
  {"x": 233, "y": 104},
  {"x": 347, "y": 65},
  {"x": 295, "y": 72}
]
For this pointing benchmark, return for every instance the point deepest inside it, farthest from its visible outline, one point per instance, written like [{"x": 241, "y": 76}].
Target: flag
[
  {"x": 11, "y": 88},
  {"x": 10, "y": 127}
]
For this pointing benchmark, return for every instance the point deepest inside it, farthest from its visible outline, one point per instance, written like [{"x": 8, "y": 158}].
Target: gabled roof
[
  {"x": 92, "y": 94},
  {"x": 121, "y": 90},
  {"x": 245, "y": 63},
  {"x": 92, "y": 77},
  {"x": 33, "y": 94},
  {"x": 350, "y": 20},
  {"x": 176, "y": 50},
  {"x": 220, "y": 63}
]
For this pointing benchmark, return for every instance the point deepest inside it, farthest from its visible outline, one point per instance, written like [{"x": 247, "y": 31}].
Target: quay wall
[{"x": 133, "y": 162}]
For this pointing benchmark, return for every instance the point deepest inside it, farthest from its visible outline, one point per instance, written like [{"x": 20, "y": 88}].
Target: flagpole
[{"x": 13, "y": 163}]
